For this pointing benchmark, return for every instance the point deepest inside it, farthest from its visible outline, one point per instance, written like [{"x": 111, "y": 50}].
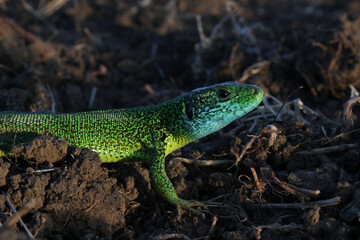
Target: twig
[
  {"x": 169, "y": 236},
  {"x": 92, "y": 97},
  {"x": 199, "y": 162},
  {"x": 247, "y": 146},
  {"x": 204, "y": 41},
  {"x": 17, "y": 215},
  {"x": 159, "y": 69},
  {"x": 354, "y": 98},
  {"x": 217, "y": 27},
  {"x": 284, "y": 228},
  {"x": 299, "y": 104},
  {"x": 53, "y": 104},
  {"x": 39, "y": 16},
  {"x": 6, "y": 68},
  {"x": 231, "y": 61},
  {"x": 327, "y": 149},
  {"x": 294, "y": 190},
  {"x": 286, "y": 100},
  {"x": 253, "y": 125},
  {"x": 341, "y": 135},
  {"x": 170, "y": 18},
  {"x": 253, "y": 70},
  {"x": 256, "y": 179},
  {"x": 324, "y": 132},
  {"x": 51, "y": 7},
  {"x": 330, "y": 73},
  {"x": 212, "y": 228},
  {"x": 92, "y": 206},
  {"x": 322, "y": 203},
  {"x": 18, "y": 29},
  {"x": 312, "y": 193},
  {"x": 267, "y": 105},
  {"x": 44, "y": 170},
  {"x": 217, "y": 197}
]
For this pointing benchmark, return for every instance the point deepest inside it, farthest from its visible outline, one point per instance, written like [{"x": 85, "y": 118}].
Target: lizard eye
[
  {"x": 222, "y": 94},
  {"x": 189, "y": 111}
]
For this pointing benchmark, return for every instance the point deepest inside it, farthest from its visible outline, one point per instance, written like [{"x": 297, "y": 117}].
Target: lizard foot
[{"x": 188, "y": 205}]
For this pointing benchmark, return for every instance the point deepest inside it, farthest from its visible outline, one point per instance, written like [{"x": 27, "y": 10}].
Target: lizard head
[{"x": 208, "y": 109}]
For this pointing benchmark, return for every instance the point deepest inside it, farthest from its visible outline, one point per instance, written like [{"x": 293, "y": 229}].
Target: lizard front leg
[{"x": 163, "y": 186}]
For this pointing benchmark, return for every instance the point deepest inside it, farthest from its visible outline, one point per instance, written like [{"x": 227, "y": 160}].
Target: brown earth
[{"x": 102, "y": 54}]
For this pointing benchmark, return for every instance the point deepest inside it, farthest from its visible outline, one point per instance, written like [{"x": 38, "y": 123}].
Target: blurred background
[{"x": 96, "y": 54}]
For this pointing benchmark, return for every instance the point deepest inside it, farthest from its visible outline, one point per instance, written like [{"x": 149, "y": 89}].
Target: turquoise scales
[{"x": 145, "y": 133}]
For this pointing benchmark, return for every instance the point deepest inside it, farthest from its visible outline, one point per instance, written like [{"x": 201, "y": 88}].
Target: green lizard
[{"x": 145, "y": 133}]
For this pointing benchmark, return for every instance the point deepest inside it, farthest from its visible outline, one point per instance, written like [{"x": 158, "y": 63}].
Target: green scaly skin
[{"x": 140, "y": 134}]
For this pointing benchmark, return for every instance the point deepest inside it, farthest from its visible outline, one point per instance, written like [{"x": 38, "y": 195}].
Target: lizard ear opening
[{"x": 189, "y": 111}]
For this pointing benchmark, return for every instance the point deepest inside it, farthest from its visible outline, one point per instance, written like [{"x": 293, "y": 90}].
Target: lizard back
[{"x": 115, "y": 135}]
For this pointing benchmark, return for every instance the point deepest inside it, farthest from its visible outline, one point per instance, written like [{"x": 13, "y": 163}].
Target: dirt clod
[
  {"x": 42, "y": 149},
  {"x": 4, "y": 170}
]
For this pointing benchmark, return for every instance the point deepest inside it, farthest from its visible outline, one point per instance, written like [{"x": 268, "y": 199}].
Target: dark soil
[{"x": 102, "y": 54}]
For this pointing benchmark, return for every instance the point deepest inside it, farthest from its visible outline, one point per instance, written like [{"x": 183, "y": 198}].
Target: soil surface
[{"x": 289, "y": 170}]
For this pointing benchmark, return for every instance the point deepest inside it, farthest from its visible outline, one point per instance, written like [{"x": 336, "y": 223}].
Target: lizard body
[{"x": 145, "y": 133}]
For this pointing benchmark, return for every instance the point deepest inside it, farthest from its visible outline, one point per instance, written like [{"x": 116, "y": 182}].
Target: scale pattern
[{"x": 145, "y": 133}]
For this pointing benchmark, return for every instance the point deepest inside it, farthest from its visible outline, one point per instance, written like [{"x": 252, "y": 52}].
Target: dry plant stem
[
  {"x": 286, "y": 100},
  {"x": 231, "y": 61},
  {"x": 300, "y": 105},
  {"x": 44, "y": 170},
  {"x": 169, "y": 236},
  {"x": 311, "y": 193},
  {"x": 51, "y": 7},
  {"x": 204, "y": 41},
  {"x": 327, "y": 149},
  {"x": 256, "y": 179},
  {"x": 322, "y": 203},
  {"x": 53, "y": 103},
  {"x": 288, "y": 227},
  {"x": 253, "y": 125},
  {"x": 6, "y": 68},
  {"x": 253, "y": 70},
  {"x": 92, "y": 206},
  {"x": 269, "y": 110},
  {"x": 217, "y": 197},
  {"x": 203, "y": 162},
  {"x": 17, "y": 215},
  {"x": 294, "y": 190},
  {"x": 170, "y": 18},
  {"x": 347, "y": 121},
  {"x": 247, "y": 146},
  {"x": 39, "y": 16},
  {"x": 18, "y": 29},
  {"x": 268, "y": 106},
  {"x": 92, "y": 97},
  {"x": 248, "y": 119},
  {"x": 330, "y": 73},
  {"x": 212, "y": 228},
  {"x": 341, "y": 135},
  {"x": 216, "y": 29},
  {"x": 324, "y": 132}
]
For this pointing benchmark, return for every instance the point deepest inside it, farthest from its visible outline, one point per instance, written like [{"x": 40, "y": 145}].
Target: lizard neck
[{"x": 174, "y": 125}]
